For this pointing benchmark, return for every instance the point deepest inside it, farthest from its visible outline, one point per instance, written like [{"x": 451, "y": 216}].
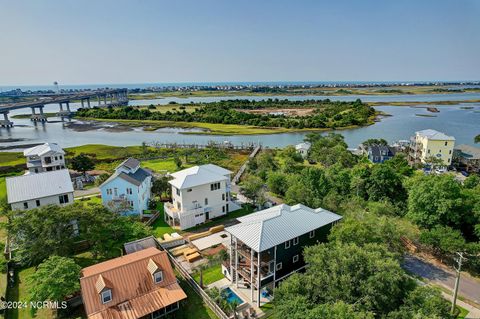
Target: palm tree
[{"x": 232, "y": 306}]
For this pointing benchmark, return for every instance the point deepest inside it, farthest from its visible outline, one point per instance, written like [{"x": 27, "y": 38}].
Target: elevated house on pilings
[{"x": 267, "y": 246}]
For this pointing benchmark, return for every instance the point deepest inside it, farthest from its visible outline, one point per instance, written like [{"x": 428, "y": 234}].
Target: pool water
[{"x": 231, "y": 296}]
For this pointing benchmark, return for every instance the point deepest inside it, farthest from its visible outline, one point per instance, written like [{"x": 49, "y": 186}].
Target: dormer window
[
  {"x": 158, "y": 277},
  {"x": 106, "y": 296}
]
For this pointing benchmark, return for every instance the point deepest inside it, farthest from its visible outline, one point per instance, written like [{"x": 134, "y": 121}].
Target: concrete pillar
[
  {"x": 99, "y": 102},
  {"x": 33, "y": 110},
  {"x": 61, "y": 107},
  {"x": 82, "y": 103},
  {"x": 111, "y": 98},
  {"x": 105, "y": 99},
  {"x": 5, "y": 116},
  {"x": 88, "y": 102},
  {"x": 68, "y": 106},
  {"x": 41, "y": 110}
]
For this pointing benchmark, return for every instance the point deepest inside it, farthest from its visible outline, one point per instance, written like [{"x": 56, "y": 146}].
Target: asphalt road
[{"x": 469, "y": 287}]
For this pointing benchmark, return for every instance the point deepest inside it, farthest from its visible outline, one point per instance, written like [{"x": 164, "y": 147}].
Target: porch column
[
  {"x": 251, "y": 276},
  {"x": 232, "y": 278},
  {"x": 88, "y": 102},
  {"x": 236, "y": 261},
  {"x": 82, "y": 103},
  {"x": 258, "y": 282},
  {"x": 61, "y": 106}
]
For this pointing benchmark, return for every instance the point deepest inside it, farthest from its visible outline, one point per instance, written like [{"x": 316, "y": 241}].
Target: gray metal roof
[
  {"x": 273, "y": 226},
  {"x": 130, "y": 163},
  {"x": 33, "y": 186},
  {"x": 43, "y": 149},
  {"x": 468, "y": 151},
  {"x": 435, "y": 135},
  {"x": 136, "y": 178}
]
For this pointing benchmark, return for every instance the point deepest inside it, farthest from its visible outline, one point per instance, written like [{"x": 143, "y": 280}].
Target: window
[
  {"x": 295, "y": 258},
  {"x": 61, "y": 157},
  {"x": 158, "y": 277},
  {"x": 25, "y": 205},
  {"x": 189, "y": 190},
  {"x": 287, "y": 244},
  {"x": 428, "y": 151},
  {"x": 223, "y": 209},
  {"x": 223, "y": 196},
  {"x": 295, "y": 241},
  {"x": 56, "y": 158},
  {"x": 450, "y": 152},
  {"x": 177, "y": 191},
  {"x": 279, "y": 266},
  {"x": 63, "y": 199},
  {"x": 311, "y": 234},
  {"x": 109, "y": 191},
  {"x": 446, "y": 143},
  {"x": 206, "y": 201},
  {"x": 214, "y": 186},
  {"x": 37, "y": 202},
  {"x": 106, "y": 296}
]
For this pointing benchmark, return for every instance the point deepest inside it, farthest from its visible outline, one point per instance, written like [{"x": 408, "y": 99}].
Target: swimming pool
[{"x": 230, "y": 296}]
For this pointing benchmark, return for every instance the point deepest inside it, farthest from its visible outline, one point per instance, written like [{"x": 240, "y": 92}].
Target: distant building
[
  {"x": 199, "y": 194},
  {"x": 45, "y": 158},
  {"x": 467, "y": 158},
  {"x": 430, "y": 143},
  {"x": 36, "y": 190},
  {"x": 379, "y": 153},
  {"x": 138, "y": 285},
  {"x": 128, "y": 189},
  {"x": 303, "y": 148},
  {"x": 267, "y": 246}
]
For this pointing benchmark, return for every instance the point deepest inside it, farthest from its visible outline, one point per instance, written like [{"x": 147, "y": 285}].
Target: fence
[
  {"x": 211, "y": 144},
  {"x": 205, "y": 297}
]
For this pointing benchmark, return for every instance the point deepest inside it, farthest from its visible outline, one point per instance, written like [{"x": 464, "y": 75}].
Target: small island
[{"x": 265, "y": 116}]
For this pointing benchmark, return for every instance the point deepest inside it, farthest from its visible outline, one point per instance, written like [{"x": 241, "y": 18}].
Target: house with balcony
[
  {"x": 430, "y": 144},
  {"x": 467, "y": 158},
  {"x": 199, "y": 194},
  {"x": 128, "y": 190},
  {"x": 266, "y": 247},
  {"x": 36, "y": 190},
  {"x": 45, "y": 158},
  {"x": 138, "y": 285}
]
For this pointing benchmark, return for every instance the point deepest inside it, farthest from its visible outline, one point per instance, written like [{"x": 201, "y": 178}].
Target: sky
[{"x": 153, "y": 41}]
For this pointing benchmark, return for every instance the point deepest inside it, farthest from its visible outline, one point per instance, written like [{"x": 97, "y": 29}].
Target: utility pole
[{"x": 459, "y": 261}]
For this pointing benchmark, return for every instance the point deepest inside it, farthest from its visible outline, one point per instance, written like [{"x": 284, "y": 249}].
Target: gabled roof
[
  {"x": 377, "y": 150},
  {"x": 270, "y": 227},
  {"x": 43, "y": 149},
  {"x": 34, "y": 186},
  {"x": 435, "y": 135},
  {"x": 134, "y": 292},
  {"x": 130, "y": 163},
  {"x": 136, "y": 178},
  {"x": 468, "y": 151},
  {"x": 199, "y": 175}
]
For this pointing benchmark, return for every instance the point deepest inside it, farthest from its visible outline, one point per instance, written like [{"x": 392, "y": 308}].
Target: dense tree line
[{"x": 326, "y": 113}]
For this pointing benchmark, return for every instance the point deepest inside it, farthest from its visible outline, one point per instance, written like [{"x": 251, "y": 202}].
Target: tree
[
  {"x": 277, "y": 183},
  {"x": 82, "y": 163},
  {"x": 384, "y": 183},
  {"x": 102, "y": 178},
  {"x": 178, "y": 162},
  {"x": 330, "y": 149},
  {"x": 434, "y": 162},
  {"x": 436, "y": 200},
  {"x": 308, "y": 188},
  {"x": 160, "y": 186},
  {"x": 54, "y": 279},
  {"x": 291, "y": 153},
  {"x": 252, "y": 188},
  {"x": 472, "y": 181},
  {"x": 369, "y": 277},
  {"x": 375, "y": 141},
  {"x": 477, "y": 138},
  {"x": 443, "y": 240},
  {"x": 400, "y": 164}
]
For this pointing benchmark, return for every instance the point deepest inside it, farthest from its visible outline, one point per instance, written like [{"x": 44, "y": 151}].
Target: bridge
[{"x": 97, "y": 98}]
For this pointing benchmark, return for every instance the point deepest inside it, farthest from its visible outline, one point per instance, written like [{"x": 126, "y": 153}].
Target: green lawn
[
  {"x": 159, "y": 165},
  {"x": 210, "y": 275},
  {"x": 160, "y": 227},
  {"x": 193, "y": 307},
  {"x": 90, "y": 200},
  {"x": 3, "y": 187},
  {"x": 11, "y": 158},
  {"x": 463, "y": 313},
  {"x": 245, "y": 210},
  {"x": 105, "y": 152}
]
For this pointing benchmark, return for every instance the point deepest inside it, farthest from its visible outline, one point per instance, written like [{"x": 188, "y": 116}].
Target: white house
[
  {"x": 199, "y": 193},
  {"x": 129, "y": 185},
  {"x": 303, "y": 148},
  {"x": 45, "y": 158},
  {"x": 36, "y": 190}
]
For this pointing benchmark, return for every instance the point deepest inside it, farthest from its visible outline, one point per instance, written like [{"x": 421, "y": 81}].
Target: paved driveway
[{"x": 469, "y": 287}]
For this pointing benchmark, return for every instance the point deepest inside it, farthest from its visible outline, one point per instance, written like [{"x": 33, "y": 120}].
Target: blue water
[{"x": 231, "y": 296}]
